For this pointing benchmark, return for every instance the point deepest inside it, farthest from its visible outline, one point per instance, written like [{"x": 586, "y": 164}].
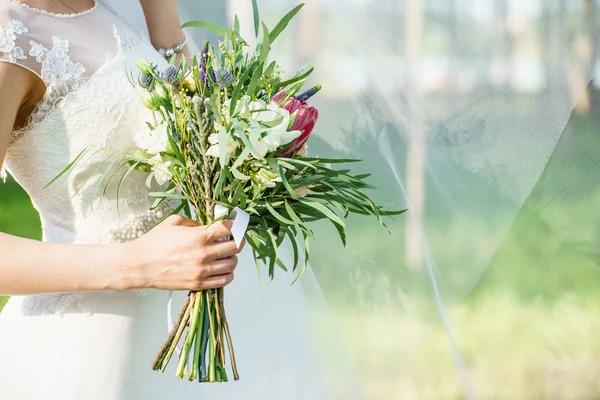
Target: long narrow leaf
[
  {"x": 238, "y": 90},
  {"x": 281, "y": 25},
  {"x": 324, "y": 210},
  {"x": 68, "y": 167},
  {"x": 207, "y": 25},
  {"x": 129, "y": 170},
  {"x": 278, "y": 216},
  {"x": 256, "y": 17},
  {"x": 293, "y": 80},
  {"x": 265, "y": 47}
]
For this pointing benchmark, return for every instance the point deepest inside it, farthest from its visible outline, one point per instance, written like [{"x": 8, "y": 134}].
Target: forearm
[
  {"x": 164, "y": 23},
  {"x": 33, "y": 267}
]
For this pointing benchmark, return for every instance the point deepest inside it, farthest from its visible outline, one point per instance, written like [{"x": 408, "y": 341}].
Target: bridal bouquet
[{"x": 231, "y": 133}]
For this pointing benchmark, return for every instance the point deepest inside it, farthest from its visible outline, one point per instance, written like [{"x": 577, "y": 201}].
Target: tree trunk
[
  {"x": 308, "y": 31},
  {"x": 500, "y": 67},
  {"x": 416, "y": 152}
]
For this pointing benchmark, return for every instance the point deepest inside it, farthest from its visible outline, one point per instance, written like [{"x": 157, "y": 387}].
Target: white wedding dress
[{"x": 98, "y": 346}]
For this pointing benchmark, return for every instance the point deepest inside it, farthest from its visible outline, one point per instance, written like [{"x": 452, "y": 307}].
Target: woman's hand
[{"x": 178, "y": 254}]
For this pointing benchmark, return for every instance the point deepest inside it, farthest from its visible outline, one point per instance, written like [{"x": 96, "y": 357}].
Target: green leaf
[
  {"x": 237, "y": 92},
  {"x": 255, "y": 78},
  {"x": 332, "y": 160},
  {"x": 270, "y": 68},
  {"x": 221, "y": 181},
  {"x": 167, "y": 195},
  {"x": 242, "y": 157},
  {"x": 247, "y": 142},
  {"x": 175, "y": 147},
  {"x": 294, "y": 79},
  {"x": 292, "y": 214},
  {"x": 215, "y": 105},
  {"x": 207, "y": 25},
  {"x": 239, "y": 193},
  {"x": 265, "y": 47},
  {"x": 103, "y": 176},
  {"x": 123, "y": 163},
  {"x": 281, "y": 25},
  {"x": 237, "y": 174},
  {"x": 129, "y": 170},
  {"x": 294, "y": 248},
  {"x": 278, "y": 216},
  {"x": 341, "y": 232},
  {"x": 68, "y": 167},
  {"x": 324, "y": 210},
  {"x": 236, "y": 24},
  {"x": 256, "y": 17},
  {"x": 149, "y": 179},
  {"x": 306, "y": 257},
  {"x": 286, "y": 183},
  {"x": 274, "y": 249}
]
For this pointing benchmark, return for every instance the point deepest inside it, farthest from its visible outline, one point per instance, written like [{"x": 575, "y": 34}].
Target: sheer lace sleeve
[{"x": 14, "y": 41}]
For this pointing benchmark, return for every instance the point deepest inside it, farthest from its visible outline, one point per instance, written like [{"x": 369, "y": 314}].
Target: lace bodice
[{"x": 84, "y": 60}]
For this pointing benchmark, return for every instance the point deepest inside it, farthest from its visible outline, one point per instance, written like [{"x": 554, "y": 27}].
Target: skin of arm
[
  {"x": 164, "y": 23},
  {"x": 46, "y": 267}
]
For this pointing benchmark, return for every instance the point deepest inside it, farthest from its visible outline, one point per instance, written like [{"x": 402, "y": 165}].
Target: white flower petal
[
  {"x": 213, "y": 138},
  {"x": 213, "y": 150}
]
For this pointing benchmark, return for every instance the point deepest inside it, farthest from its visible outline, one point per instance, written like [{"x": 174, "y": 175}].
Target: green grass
[{"x": 17, "y": 215}]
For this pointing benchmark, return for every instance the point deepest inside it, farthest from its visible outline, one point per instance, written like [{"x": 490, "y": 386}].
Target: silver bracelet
[{"x": 178, "y": 48}]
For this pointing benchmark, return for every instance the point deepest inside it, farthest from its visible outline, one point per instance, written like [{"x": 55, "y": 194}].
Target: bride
[{"x": 89, "y": 302}]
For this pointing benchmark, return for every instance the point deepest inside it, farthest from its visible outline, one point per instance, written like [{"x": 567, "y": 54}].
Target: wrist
[{"x": 127, "y": 272}]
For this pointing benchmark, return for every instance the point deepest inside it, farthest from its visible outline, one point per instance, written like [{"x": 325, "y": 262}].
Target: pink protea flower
[{"x": 306, "y": 118}]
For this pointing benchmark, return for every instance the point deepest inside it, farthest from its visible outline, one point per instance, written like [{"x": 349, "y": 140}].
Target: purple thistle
[
  {"x": 169, "y": 74},
  {"x": 309, "y": 93},
  {"x": 222, "y": 77},
  {"x": 146, "y": 81},
  {"x": 204, "y": 78},
  {"x": 204, "y": 56}
]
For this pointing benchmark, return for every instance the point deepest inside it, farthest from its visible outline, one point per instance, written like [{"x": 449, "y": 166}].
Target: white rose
[{"x": 153, "y": 141}]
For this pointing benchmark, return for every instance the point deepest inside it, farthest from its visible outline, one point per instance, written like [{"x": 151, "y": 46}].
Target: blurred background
[{"x": 483, "y": 118}]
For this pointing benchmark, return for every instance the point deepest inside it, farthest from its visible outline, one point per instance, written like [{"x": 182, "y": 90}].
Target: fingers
[
  {"x": 216, "y": 281},
  {"x": 219, "y": 250},
  {"x": 221, "y": 267},
  {"x": 218, "y": 230},
  {"x": 180, "y": 220}
]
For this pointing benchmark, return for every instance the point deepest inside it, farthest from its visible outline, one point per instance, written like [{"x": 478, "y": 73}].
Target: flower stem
[
  {"x": 159, "y": 358},
  {"x": 179, "y": 333},
  {"x": 212, "y": 343},
  {"x": 204, "y": 338},
  {"x": 236, "y": 375},
  {"x": 187, "y": 344},
  {"x": 198, "y": 341}
]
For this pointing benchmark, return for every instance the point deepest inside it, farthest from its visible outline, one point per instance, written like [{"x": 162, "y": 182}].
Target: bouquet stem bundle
[{"x": 203, "y": 313}]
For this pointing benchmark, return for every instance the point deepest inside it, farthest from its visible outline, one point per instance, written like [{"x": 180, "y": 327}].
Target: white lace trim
[
  {"x": 57, "y": 15},
  {"x": 8, "y": 37}
]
